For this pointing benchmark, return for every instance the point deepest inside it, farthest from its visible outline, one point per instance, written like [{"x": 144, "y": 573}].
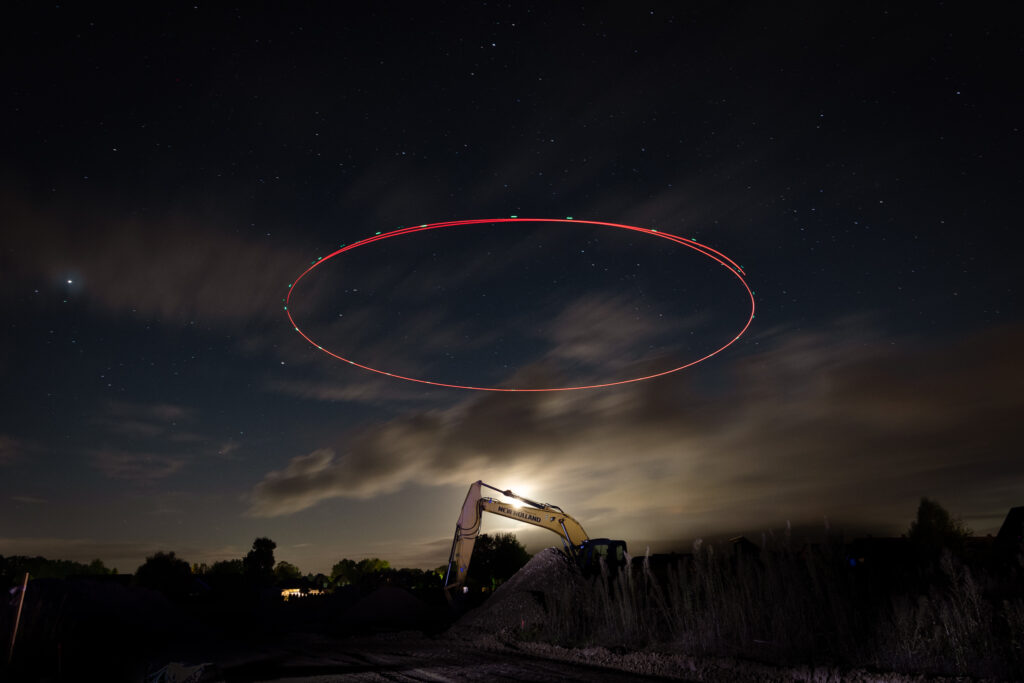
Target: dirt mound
[
  {"x": 388, "y": 607},
  {"x": 518, "y": 604}
]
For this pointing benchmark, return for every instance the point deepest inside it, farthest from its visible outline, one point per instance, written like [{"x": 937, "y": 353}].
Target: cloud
[
  {"x": 372, "y": 390},
  {"x": 11, "y": 449},
  {"x": 227, "y": 448},
  {"x": 835, "y": 424},
  {"x": 157, "y": 412},
  {"x": 29, "y": 500},
  {"x": 136, "y": 466},
  {"x": 596, "y": 329},
  {"x": 176, "y": 268},
  {"x": 141, "y": 438},
  {"x": 142, "y": 420}
]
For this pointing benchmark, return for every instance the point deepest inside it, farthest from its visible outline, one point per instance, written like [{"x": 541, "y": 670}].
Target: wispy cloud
[
  {"x": 820, "y": 424},
  {"x": 177, "y": 269},
  {"x": 148, "y": 441},
  {"x": 228, "y": 448},
  {"x": 156, "y": 412},
  {"x": 136, "y": 466},
  {"x": 367, "y": 390},
  {"x": 11, "y": 449},
  {"x": 142, "y": 420},
  {"x": 596, "y": 329}
]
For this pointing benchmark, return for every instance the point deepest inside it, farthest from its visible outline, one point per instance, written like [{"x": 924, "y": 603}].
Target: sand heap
[{"x": 518, "y": 604}]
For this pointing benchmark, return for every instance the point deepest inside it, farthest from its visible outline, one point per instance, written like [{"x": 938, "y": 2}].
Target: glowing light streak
[{"x": 707, "y": 251}]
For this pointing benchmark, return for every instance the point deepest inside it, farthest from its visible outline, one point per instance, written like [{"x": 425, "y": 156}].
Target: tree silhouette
[
  {"x": 259, "y": 562},
  {"x": 226, "y": 568},
  {"x": 349, "y": 572},
  {"x": 12, "y": 568},
  {"x": 286, "y": 571},
  {"x": 166, "y": 573},
  {"x": 226, "y": 576},
  {"x": 97, "y": 568},
  {"x": 343, "y": 572},
  {"x": 935, "y": 530},
  {"x": 497, "y": 558}
]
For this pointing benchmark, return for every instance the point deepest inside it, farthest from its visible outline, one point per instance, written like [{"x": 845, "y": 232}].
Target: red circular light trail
[{"x": 712, "y": 254}]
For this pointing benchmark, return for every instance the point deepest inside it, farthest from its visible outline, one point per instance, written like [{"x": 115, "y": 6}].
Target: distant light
[{"x": 69, "y": 282}]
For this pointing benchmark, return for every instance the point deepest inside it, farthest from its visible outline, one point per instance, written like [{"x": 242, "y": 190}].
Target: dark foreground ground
[
  {"x": 452, "y": 657},
  {"x": 403, "y": 657},
  {"x": 378, "y": 638},
  {"x": 113, "y": 631}
]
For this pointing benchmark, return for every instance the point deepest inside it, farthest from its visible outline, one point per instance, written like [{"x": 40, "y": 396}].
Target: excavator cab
[{"x": 595, "y": 551}]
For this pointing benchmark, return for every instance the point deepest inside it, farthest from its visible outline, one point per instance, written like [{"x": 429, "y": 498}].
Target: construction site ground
[
  {"x": 488, "y": 644},
  {"x": 385, "y": 635}
]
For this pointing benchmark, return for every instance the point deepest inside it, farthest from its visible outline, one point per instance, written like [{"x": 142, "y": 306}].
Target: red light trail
[{"x": 713, "y": 254}]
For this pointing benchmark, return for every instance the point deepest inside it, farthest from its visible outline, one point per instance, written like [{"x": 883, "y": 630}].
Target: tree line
[
  {"x": 14, "y": 567},
  {"x": 495, "y": 559}
]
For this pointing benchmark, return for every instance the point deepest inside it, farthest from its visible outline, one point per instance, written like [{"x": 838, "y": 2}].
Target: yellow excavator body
[{"x": 575, "y": 541}]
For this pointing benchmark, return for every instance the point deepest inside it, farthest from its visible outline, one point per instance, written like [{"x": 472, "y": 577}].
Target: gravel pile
[
  {"x": 721, "y": 670},
  {"x": 518, "y": 604}
]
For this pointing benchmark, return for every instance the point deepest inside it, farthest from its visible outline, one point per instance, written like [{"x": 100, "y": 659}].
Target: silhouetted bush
[{"x": 166, "y": 573}]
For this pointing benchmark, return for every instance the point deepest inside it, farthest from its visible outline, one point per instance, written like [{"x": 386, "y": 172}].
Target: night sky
[{"x": 167, "y": 171}]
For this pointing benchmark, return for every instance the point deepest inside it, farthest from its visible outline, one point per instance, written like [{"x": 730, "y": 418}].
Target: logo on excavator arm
[{"x": 521, "y": 514}]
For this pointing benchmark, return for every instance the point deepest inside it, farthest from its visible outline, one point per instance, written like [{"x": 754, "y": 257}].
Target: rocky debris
[
  {"x": 518, "y": 604},
  {"x": 504, "y": 621},
  {"x": 667, "y": 665}
]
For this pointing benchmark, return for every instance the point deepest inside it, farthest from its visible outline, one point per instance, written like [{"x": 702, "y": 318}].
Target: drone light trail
[{"x": 707, "y": 251}]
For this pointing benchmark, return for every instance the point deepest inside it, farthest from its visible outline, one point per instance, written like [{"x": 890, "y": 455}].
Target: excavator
[{"x": 588, "y": 553}]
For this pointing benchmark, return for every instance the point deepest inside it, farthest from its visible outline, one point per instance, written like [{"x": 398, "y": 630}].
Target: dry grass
[{"x": 802, "y": 606}]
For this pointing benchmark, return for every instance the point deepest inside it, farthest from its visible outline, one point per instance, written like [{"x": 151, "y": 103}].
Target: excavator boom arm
[
  {"x": 550, "y": 517},
  {"x": 569, "y": 529}
]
